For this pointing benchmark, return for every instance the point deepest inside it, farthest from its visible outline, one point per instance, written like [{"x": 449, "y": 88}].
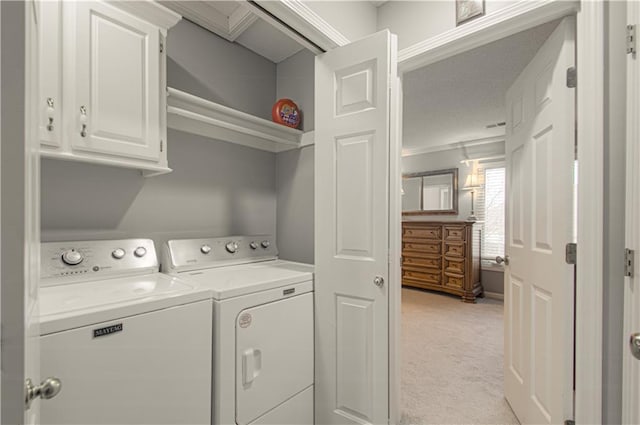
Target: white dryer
[
  {"x": 262, "y": 327},
  {"x": 130, "y": 345}
]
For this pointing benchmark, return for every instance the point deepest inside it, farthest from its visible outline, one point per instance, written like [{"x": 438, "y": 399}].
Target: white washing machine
[
  {"x": 262, "y": 327},
  {"x": 129, "y": 345}
]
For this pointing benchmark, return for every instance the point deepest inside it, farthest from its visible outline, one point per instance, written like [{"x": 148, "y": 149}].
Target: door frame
[
  {"x": 512, "y": 19},
  {"x": 520, "y": 16}
]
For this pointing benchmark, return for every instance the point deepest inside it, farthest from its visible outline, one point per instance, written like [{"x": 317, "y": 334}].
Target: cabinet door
[
  {"x": 50, "y": 73},
  {"x": 117, "y": 71}
]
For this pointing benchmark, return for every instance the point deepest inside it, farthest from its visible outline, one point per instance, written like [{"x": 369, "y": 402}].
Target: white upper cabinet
[
  {"x": 50, "y": 102},
  {"x": 114, "y": 81}
]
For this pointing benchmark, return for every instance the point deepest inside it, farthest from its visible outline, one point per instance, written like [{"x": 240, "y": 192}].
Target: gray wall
[
  {"x": 614, "y": 201},
  {"x": 295, "y": 180},
  {"x": 295, "y": 168},
  {"x": 203, "y": 64},
  {"x": 215, "y": 189},
  {"x": 295, "y": 80}
]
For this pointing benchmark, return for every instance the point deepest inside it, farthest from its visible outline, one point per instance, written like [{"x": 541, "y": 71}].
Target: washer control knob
[
  {"x": 232, "y": 247},
  {"x": 205, "y": 249},
  {"x": 265, "y": 244},
  {"x": 253, "y": 245},
  {"x": 72, "y": 257},
  {"x": 140, "y": 252},
  {"x": 118, "y": 253}
]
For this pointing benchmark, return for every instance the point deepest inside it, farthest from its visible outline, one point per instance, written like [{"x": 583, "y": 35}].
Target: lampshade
[{"x": 471, "y": 182}]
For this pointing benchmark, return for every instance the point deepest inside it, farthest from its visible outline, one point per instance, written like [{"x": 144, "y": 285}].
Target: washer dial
[
  {"x": 118, "y": 253},
  {"x": 232, "y": 247},
  {"x": 205, "y": 249},
  {"x": 72, "y": 257},
  {"x": 140, "y": 252},
  {"x": 265, "y": 244},
  {"x": 253, "y": 245}
]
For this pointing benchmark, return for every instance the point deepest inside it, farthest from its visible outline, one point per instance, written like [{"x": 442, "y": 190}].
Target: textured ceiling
[{"x": 453, "y": 100}]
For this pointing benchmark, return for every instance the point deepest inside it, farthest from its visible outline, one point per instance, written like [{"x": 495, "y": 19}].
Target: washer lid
[
  {"x": 234, "y": 281},
  {"x": 73, "y": 305}
]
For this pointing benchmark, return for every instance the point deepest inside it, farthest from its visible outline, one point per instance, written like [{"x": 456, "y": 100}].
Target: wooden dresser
[{"x": 442, "y": 256}]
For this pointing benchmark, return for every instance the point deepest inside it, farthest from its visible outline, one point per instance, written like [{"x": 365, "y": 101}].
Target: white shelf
[
  {"x": 193, "y": 114},
  {"x": 147, "y": 170}
]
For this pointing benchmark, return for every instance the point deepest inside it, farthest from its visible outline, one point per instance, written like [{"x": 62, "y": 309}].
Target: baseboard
[{"x": 494, "y": 295}]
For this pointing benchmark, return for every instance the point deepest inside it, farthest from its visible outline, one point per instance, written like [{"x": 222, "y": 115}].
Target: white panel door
[
  {"x": 353, "y": 192},
  {"x": 631, "y": 364},
  {"x": 539, "y": 284},
  {"x": 116, "y": 107}
]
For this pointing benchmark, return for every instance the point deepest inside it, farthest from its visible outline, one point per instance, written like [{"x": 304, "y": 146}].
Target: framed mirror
[{"x": 430, "y": 192}]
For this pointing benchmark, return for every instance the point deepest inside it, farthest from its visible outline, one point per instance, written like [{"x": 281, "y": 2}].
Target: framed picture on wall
[{"x": 467, "y": 10}]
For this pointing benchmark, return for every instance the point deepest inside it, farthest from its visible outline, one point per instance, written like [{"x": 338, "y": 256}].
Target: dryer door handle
[{"x": 251, "y": 365}]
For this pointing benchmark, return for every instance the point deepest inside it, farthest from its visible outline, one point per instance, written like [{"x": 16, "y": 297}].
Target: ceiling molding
[
  {"x": 207, "y": 16},
  {"x": 455, "y": 145},
  {"x": 240, "y": 20},
  {"x": 519, "y": 16},
  {"x": 305, "y": 21}
]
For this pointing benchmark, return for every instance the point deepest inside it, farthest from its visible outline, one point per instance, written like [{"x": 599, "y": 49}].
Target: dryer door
[{"x": 274, "y": 355}]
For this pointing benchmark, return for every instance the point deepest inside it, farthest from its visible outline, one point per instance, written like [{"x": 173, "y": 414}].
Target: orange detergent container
[{"x": 286, "y": 112}]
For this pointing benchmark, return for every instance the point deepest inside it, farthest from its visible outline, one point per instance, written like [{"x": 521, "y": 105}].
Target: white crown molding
[
  {"x": 520, "y": 16},
  {"x": 304, "y": 20},
  {"x": 240, "y": 20},
  {"x": 150, "y": 11},
  {"x": 207, "y": 16},
  {"x": 449, "y": 146}
]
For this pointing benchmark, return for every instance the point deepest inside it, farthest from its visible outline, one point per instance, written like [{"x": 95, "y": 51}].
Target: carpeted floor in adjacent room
[{"x": 452, "y": 361}]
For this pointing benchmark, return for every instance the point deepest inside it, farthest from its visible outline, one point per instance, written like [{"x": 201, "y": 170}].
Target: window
[{"x": 493, "y": 214}]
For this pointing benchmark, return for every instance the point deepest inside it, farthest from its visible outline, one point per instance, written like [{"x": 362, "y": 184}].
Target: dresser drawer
[
  {"x": 422, "y": 232},
  {"x": 434, "y": 278},
  {"x": 453, "y": 280},
  {"x": 454, "y": 249},
  {"x": 430, "y": 262},
  {"x": 454, "y": 265},
  {"x": 425, "y": 247},
  {"x": 454, "y": 233}
]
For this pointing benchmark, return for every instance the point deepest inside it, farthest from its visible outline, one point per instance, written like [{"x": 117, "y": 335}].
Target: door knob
[
  {"x": 379, "y": 281},
  {"x": 49, "y": 388},
  {"x": 634, "y": 345},
  {"x": 504, "y": 260}
]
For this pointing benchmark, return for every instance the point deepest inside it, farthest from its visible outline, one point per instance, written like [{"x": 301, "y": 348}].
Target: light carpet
[{"x": 452, "y": 361}]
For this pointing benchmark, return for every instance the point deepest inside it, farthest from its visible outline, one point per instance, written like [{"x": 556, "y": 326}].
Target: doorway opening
[{"x": 460, "y": 113}]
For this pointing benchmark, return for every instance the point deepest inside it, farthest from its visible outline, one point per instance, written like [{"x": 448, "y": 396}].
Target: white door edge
[{"x": 631, "y": 366}]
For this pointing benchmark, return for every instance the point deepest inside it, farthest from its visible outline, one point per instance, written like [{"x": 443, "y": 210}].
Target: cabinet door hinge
[
  {"x": 571, "y": 253},
  {"x": 631, "y": 39},
  {"x": 629, "y": 262},
  {"x": 572, "y": 77},
  {"x": 161, "y": 47},
  {"x": 161, "y": 145}
]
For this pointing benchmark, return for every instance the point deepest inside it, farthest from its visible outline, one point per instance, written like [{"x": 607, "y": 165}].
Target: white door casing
[
  {"x": 539, "y": 292},
  {"x": 31, "y": 242},
  {"x": 352, "y": 243},
  {"x": 117, "y": 76},
  {"x": 631, "y": 365}
]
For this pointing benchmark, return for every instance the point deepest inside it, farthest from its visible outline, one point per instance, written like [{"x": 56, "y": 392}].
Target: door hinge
[
  {"x": 569, "y": 422},
  {"x": 571, "y": 253},
  {"x": 161, "y": 146},
  {"x": 631, "y": 40},
  {"x": 629, "y": 262},
  {"x": 572, "y": 77},
  {"x": 161, "y": 47}
]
